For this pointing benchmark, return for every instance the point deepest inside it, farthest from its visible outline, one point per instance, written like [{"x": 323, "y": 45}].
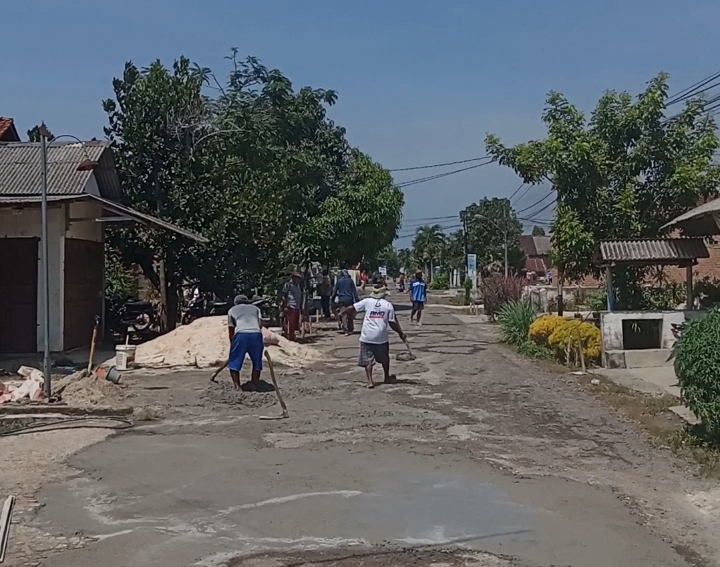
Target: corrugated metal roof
[
  {"x": 111, "y": 206},
  {"x": 652, "y": 251},
  {"x": 698, "y": 221},
  {"x": 20, "y": 169}
]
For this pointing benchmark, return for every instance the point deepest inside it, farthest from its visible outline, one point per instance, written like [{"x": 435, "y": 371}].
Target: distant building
[{"x": 537, "y": 254}]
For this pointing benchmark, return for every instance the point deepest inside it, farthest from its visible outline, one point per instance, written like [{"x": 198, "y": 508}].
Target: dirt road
[{"x": 476, "y": 457}]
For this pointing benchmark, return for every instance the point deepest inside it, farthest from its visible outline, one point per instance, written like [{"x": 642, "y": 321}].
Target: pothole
[{"x": 376, "y": 557}]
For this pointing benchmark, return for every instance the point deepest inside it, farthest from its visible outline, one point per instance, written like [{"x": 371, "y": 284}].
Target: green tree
[
  {"x": 253, "y": 165},
  {"x": 34, "y": 133},
  {"x": 620, "y": 174},
  {"x": 538, "y": 231},
  {"x": 487, "y": 222},
  {"x": 428, "y": 245},
  {"x": 405, "y": 259},
  {"x": 146, "y": 127}
]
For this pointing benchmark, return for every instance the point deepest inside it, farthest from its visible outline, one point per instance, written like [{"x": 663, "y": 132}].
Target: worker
[
  {"x": 325, "y": 291},
  {"x": 245, "y": 333},
  {"x": 417, "y": 290},
  {"x": 291, "y": 303},
  {"x": 346, "y": 294},
  {"x": 374, "y": 336}
]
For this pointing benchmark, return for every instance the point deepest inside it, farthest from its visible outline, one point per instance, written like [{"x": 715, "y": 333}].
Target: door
[
  {"x": 84, "y": 267},
  {"x": 18, "y": 295}
]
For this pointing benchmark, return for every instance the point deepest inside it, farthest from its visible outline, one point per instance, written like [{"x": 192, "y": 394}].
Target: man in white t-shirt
[{"x": 375, "y": 334}]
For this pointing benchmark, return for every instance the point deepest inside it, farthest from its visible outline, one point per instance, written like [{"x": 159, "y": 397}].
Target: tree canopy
[
  {"x": 621, "y": 173},
  {"x": 486, "y": 223},
  {"x": 250, "y": 163}
]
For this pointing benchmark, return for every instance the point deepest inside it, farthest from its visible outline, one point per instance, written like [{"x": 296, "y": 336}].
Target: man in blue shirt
[
  {"x": 345, "y": 293},
  {"x": 417, "y": 289}
]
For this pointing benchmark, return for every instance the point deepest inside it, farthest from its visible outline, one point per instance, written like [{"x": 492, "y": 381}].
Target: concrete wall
[
  {"x": 26, "y": 223},
  {"x": 611, "y": 325}
]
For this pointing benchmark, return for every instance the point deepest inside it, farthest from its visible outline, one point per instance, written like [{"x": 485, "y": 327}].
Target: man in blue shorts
[
  {"x": 417, "y": 289},
  {"x": 245, "y": 333}
]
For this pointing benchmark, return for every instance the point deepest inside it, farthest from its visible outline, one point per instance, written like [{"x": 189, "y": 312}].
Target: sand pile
[
  {"x": 223, "y": 394},
  {"x": 204, "y": 343},
  {"x": 94, "y": 391}
]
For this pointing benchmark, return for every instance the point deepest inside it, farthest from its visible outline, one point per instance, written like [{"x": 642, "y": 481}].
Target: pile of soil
[
  {"x": 224, "y": 394},
  {"x": 94, "y": 391},
  {"x": 204, "y": 343}
]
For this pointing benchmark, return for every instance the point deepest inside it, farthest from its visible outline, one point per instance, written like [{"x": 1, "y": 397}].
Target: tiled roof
[
  {"x": 20, "y": 173},
  {"x": 535, "y": 245},
  {"x": 651, "y": 251},
  {"x": 8, "y": 133},
  {"x": 536, "y": 265}
]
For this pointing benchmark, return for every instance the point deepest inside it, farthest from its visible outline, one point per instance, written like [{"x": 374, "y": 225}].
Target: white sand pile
[
  {"x": 204, "y": 343},
  {"x": 94, "y": 391}
]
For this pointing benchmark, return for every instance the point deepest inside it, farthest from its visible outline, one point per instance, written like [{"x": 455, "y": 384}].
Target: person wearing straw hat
[
  {"x": 375, "y": 333},
  {"x": 245, "y": 333}
]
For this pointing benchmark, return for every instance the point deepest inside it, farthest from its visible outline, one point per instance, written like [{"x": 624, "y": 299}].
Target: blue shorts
[{"x": 246, "y": 343}]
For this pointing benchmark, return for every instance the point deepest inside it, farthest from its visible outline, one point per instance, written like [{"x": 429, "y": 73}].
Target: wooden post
[
  {"x": 689, "y": 284},
  {"x": 609, "y": 287}
]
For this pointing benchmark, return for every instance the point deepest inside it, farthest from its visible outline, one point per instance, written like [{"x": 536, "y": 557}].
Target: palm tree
[{"x": 428, "y": 244}]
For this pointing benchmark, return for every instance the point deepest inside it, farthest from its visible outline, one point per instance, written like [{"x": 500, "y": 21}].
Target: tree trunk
[{"x": 169, "y": 300}]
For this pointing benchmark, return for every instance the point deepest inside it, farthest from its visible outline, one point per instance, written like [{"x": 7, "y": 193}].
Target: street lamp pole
[
  {"x": 47, "y": 385},
  {"x": 86, "y": 165}
]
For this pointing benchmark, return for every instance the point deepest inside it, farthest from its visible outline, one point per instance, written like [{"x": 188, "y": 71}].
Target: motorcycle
[
  {"x": 138, "y": 317},
  {"x": 203, "y": 306}
]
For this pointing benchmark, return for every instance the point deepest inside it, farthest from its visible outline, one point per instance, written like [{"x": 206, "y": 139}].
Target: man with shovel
[{"x": 375, "y": 334}]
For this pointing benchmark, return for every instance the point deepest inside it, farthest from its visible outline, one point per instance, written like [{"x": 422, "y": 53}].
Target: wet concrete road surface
[{"x": 426, "y": 463}]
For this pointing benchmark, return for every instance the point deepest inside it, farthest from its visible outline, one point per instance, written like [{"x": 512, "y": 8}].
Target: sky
[{"x": 420, "y": 82}]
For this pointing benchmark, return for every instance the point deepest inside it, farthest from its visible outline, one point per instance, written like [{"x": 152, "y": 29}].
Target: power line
[
  {"x": 536, "y": 203},
  {"x": 438, "y": 176},
  {"x": 432, "y": 218},
  {"x": 438, "y": 164},
  {"x": 516, "y": 191},
  {"x": 522, "y": 195},
  {"x": 692, "y": 90},
  {"x": 531, "y": 219}
]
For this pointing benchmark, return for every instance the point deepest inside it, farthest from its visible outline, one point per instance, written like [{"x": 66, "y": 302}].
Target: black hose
[{"x": 71, "y": 423}]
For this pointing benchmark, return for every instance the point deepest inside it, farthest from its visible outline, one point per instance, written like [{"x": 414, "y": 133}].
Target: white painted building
[{"x": 84, "y": 192}]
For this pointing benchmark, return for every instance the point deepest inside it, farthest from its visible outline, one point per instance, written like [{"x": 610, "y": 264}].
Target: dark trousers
[{"x": 325, "y": 305}]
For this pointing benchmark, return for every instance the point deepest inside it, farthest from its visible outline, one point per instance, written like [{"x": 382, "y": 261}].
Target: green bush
[
  {"x": 596, "y": 301},
  {"x": 534, "y": 350},
  {"x": 440, "y": 281},
  {"x": 467, "y": 286},
  {"x": 697, "y": 365},
  {"x": 515, "y": 319}
]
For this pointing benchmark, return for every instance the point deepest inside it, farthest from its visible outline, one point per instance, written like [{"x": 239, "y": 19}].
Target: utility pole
[
  {"x": 465, "y": 245},
  {"x": 507, "y": 267},
  {"x": 47, "y": 385}
]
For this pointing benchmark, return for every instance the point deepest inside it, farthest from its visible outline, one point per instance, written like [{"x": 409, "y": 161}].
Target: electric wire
[
  {"x": 438, "y": 164},
  {"x": 438, "y": 176},
  {"x": 71, "y": 423},
  {"x": 541, "y": 201}
]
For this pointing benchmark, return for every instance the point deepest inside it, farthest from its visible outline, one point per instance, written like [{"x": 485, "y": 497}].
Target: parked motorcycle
[
  {"x": 138, "y": 317},
  {"x": 203, "y": 306}
]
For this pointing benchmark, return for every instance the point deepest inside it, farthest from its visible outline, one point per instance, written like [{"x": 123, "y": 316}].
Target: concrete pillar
[
  {"x": 689, "y": 284},
  {"x": 608, "y": 277}
]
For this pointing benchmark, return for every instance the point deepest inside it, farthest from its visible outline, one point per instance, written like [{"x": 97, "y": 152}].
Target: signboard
[
  {"x": 383, "y": 270},
  {"x": 472, "y": 268}
]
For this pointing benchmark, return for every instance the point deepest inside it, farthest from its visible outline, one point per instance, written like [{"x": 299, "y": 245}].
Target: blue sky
[{"x": 419, "y": 81}]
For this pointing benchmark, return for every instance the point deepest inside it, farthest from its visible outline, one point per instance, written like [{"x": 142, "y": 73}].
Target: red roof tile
[{"x": 8, "y": 133}]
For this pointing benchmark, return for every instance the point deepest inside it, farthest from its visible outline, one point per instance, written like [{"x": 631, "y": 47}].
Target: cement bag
[{"x": 270, "y": 338}]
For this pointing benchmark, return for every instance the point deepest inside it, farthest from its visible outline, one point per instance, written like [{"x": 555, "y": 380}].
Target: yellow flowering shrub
[
  {"x": 542, "y": 328},
  {"x": 589, "y": 338}
]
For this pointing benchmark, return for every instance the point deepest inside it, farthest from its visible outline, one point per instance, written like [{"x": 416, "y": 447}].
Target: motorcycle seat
[{"x": 138, "y": 304}]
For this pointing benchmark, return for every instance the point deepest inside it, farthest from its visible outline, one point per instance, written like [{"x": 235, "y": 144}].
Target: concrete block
[
  {"x": 647, "y": 358},
  {"x": 614, "y": 359}
]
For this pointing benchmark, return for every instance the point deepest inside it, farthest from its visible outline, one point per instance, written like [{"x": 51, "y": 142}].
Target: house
[
  {"x": 537, "y": 253},
  {"x": 8, "y": 132},
  {"x": 84, "y": 194}
]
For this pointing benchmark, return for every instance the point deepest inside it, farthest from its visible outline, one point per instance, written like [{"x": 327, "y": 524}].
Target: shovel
[
  {"x": 406, "y": 356},
  {"x": 285, "y": 414}
]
